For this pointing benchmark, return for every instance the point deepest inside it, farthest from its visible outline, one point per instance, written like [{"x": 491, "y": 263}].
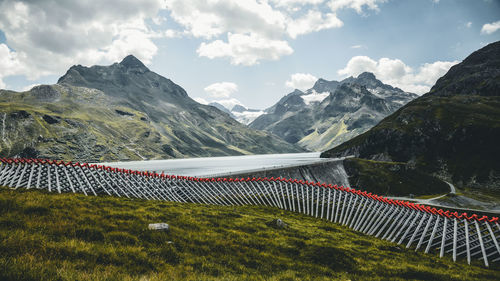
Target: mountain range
[
  {"x": 121, "y": 112},
  {"x": 239, "y": 112},
  {"x": 331, "y": 112},
  {"x": 452, "y": 132}
]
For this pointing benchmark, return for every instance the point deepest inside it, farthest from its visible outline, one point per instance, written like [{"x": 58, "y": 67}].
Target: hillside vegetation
[
  {"x": 73, "y": 237},
  {"x": 452, "y": 132},
  {"x": 392, "y": 178}
]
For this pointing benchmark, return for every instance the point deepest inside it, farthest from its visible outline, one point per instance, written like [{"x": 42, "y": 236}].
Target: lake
[{"x": 214, "y": 166}]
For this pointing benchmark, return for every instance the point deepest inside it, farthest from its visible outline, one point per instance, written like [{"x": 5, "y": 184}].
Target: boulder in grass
[
  {"x": 277, "y": 223},
  {"x": 159, "y": 226}
]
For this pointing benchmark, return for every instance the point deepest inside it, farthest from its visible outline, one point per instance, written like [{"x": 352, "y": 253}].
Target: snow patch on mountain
[
  {"x": 246, "y": 117},
  {"x": 314, "y": 97}
]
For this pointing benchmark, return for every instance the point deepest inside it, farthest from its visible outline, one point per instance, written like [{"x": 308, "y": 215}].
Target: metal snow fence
[{"x": 402, "y": 222}]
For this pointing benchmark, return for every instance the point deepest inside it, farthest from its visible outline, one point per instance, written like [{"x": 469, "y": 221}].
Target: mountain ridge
[
  {"x": 331, "y": 112},
  {"x": 453, "y": 131},
  {"x": 122, "y": 111}
]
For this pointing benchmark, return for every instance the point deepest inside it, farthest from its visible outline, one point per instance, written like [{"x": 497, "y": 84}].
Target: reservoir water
[{"x": 213, "y": 166}]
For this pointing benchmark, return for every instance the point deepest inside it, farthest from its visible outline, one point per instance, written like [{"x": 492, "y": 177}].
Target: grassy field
[
  {"x": 392, "y": 178},
  {"x": 73, "y": 237}
]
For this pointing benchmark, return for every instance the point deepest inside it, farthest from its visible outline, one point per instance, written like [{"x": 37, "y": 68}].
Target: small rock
[
  {"x": 159, "y": 226},
  {"x": 277, "y": 223}
]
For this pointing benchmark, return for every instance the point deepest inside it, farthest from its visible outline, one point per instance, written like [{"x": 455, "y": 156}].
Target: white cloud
[
  {"x": 221, "y": 89},
  {"x": 287, "y": 3},
  {"x": 207, "y": 19},
  {"x": 490, "y": 27},
  {"x": 313, "y": 21},
  {"x": 301, "y": 81},
  {"x": 357, "y": 65},
  {"x": 357, "y": 5},
  {"x": 158, "y": 20},
  {"x": 50, "y": 36},
  {"x": 245, "y": 49},
  {"x": 47, "y": 37},
  {"x": 396, "y": 73},
  {"x": 171, "y": 33},
  {"x": 356, "y": 46},
  {"x": 10, "y": 64},
  {"x": 468, "y": 24},
  {"x": 256, "y": 29}
]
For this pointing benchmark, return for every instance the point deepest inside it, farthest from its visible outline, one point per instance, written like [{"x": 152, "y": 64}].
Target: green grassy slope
[
  {"x": 453, "y": 131},
  {"x": 456, "y": 135},
  {"x": 73, "y": 237},
  {"x": 391, "y": 178}
]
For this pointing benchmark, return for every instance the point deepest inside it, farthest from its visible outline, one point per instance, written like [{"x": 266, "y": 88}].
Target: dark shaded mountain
[
  {"x": 331, "y": 112},
  {"x": 453, "y": 131},
  {"x": 120, "y": 112}
]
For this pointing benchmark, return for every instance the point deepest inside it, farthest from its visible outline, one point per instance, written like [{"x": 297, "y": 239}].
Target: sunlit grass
[{"x": 73, "y": 237}]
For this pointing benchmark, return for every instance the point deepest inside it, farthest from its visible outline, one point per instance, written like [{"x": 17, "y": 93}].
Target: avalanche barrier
[{"x": 426, "y": 228}]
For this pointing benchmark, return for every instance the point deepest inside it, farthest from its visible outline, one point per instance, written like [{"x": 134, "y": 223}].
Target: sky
[{"x": 248, "y": 52}]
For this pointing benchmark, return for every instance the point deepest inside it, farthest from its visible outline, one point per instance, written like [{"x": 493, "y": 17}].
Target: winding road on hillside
[
  {"x": 434, "y": 201},
  {"x": 427, "y": 201}
]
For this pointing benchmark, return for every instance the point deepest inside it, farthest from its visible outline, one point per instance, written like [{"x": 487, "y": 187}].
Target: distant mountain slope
[
  {"x": 332, "y": 112},
  {"x": 452, "y": 131},
  {"x": 239, "y": 113},
  {"x": 120, "y": 112}
]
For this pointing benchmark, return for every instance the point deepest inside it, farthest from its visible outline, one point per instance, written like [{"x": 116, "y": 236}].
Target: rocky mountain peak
[
  {"x": 367, "y": 75},
  {"x": 132, "y": 62},
  {"x": 79, "y": 75},
  {"x": 478, "y": 74},
  {"x": 129, "y": 82},
  {"x": 353, "y": 88},
  {"x": 370, "y": 81},
  {"x": 320, "y": 82},
  {"x": 331, "y": 112},
  {"x": 296, "y": 92},
  {"x": 323, "y": 85}
]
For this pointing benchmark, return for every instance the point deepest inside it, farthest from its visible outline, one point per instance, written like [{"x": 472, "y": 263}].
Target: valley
[{"x": 276, "y": 140}]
